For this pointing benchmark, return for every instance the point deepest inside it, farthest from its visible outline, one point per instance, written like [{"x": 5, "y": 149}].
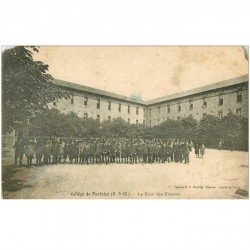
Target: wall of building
[
  {"x": 77, "y": 105},
  {"x": 152, "y": 114},
  {"x": 158, "y": 112}
]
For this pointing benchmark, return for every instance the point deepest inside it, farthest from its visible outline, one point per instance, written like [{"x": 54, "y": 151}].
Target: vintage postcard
[{"x": 125, "y": 122}]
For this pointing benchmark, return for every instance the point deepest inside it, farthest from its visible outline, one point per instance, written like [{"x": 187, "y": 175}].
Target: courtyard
[{"x": 220, "y": 174}]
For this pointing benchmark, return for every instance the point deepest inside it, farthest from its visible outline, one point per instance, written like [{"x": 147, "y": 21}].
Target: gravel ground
[{"x": 218, "y": 175}]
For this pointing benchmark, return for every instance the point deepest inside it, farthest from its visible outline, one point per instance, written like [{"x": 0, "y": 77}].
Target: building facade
[
  {"x": 97, "y": 104},
  {"x": 219, "y": 99}
]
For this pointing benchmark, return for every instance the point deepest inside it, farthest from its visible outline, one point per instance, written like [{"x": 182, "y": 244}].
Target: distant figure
[
  {"x": 39, "y": 150},
  {"x": 186, "y": 152},
  {"x": 47, "y": 153},
  {"x": 30, "y": 152},
  {"x": 61, "y": 150},
  {"x": 220, "y": 145},
  {"x": 197, "y": 150},
  {"x": 55, "y": 152},
  {"x": 72, "y": 149},
  {"x": 19, "y": 151},
  {"x": 65, "y": 152},
  {"x": 202, "y": 150}
]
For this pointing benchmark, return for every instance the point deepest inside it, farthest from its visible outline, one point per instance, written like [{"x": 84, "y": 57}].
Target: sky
[{"x": 145, "y": 71}]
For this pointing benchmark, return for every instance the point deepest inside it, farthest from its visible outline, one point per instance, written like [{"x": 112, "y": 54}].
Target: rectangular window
[
  {"x": 137, "y": 110},
  {"x": 220, "y": 100},
  {"x": 220, "y": 114},
  {"x": 128, "y": 120},
  {"x": 179, "y": 108},
  {"x": 204, "y": 104},
  {"x": 119, "y": 107},
  {"x": 137, "y": 122},
  {"x": 85, "y": 115},
  {"x": 72, "y": 99},
  {"x": 168, "y": 109},
  {"x": 98, "y": 105},
  {"x": 109, "y": 106},
  {"x": 238, "y": 111},
  {"x": 128, "y": 109},
  {"x": 85, "y": 101},
  {"x": 239, "y": 98},
  {"x": 98, "y": 117},
  {"x": 191, "y": 107},
  {"x": 150, "y": 123}
]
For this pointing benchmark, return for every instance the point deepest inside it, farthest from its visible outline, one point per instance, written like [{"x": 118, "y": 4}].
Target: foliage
[
  {"x": 230, "y": 129},
  {"x": 209, "y": 130},
  {"x": 182, "y": 129},
  {"x": 27, "y": 88},
  {"x": 54, "y": 123}
]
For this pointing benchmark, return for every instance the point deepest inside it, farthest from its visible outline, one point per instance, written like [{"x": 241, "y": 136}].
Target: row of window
[
  {"x": 98, "y": 117},
  {"x": 220, "y": 114},
  {"x": 191, "y": 105},
  {"x": 238, "y": 112},
  {"x": 98, "y": 105},
  {"x": 204, "y": 105},
  {"x": 120, "y": 108}
]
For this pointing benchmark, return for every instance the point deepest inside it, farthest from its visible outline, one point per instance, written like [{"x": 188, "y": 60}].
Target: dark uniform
[
  {"x": 19, "y": 151},
  {"x": 186, "y": 152},
  {"x": 30, "y": 152},
  {"x": 65, "y": 152},
  {"x": 197, "y": 150},
  {"x": 55, "y": 152},
  {"x": 71, "y": 152},
  {"x": 39, "y": 148}
]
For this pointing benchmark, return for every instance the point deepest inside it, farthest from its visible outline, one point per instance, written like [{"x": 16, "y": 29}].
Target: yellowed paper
[{"x": 145, "y": 88}]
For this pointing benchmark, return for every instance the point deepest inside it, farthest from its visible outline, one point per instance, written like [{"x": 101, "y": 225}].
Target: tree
[
  {"x": 182, "y": 129},
  {"x": 67, "y": 125},
  {"x": 234, "y": 128},
  {"x": 189, "y": 127},
  {"x": 89, "y": 127},
  {"x": 118, "y": 128},
  {"x": 210, "y": 130},
  {"x": 27, "y": 88},
  {"x": 207, "y": 130}
]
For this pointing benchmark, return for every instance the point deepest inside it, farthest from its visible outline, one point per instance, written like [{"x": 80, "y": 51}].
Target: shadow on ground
[{"x": 9, "y": 183}]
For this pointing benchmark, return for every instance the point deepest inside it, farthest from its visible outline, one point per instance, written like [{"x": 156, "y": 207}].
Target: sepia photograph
[{"x": 125, "y": 122}]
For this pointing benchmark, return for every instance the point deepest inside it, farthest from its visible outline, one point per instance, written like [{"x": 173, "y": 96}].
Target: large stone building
[
  {"x": 230, "y": 96},
  {"x": 98, "y": 104},
  {"x": 220, "y": 99}
]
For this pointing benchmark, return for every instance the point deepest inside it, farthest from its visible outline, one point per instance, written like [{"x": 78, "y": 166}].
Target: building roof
[
  {"x": 213, "y": 86},
  {"x": 86, "y": 89}
]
